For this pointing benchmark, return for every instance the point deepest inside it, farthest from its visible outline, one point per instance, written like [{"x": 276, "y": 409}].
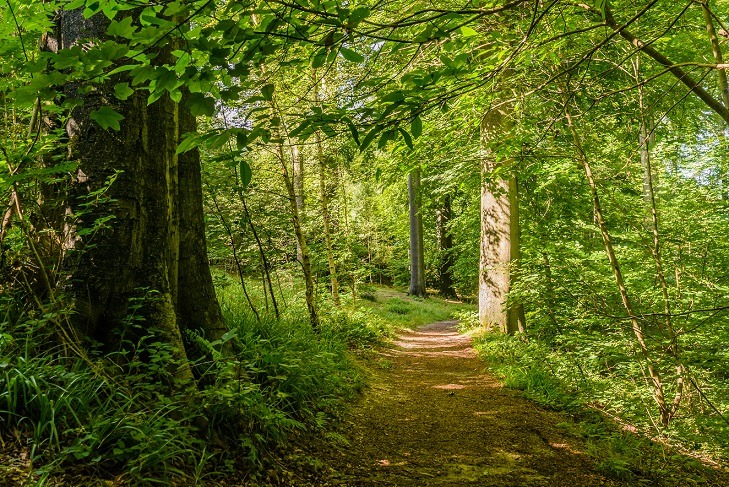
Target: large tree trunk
[
  {"x": 499, "y": 235},
  {"x": 155, "y": 244},
  {"x": 417, "y": 259}
]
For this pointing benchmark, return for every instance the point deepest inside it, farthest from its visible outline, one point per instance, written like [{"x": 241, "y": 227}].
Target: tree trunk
[
  {"x": 296, "y": 217},
  {"x": 649, "y": 198},
  {"x": 716, "y": 51},
  {"x": 445, "y": 241},
  {"x": 499, "y": 235},
  {"x": 654, "y": 377},
  {"x": 298, "y": 163},
  {"x": 327, "y": 223},
  {"x": 155, "y": 241},
  {"x": 325, "y": 201},
  {"x": 417, "y": 259}
]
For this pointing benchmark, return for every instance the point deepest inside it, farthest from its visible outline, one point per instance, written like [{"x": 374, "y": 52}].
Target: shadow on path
[{"x": 434, "y": 417}]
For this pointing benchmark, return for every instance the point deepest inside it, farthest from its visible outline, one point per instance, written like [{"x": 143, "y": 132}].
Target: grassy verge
[
  {"x": 399, "y": 310},
  {"x": 620, "y": 450}
]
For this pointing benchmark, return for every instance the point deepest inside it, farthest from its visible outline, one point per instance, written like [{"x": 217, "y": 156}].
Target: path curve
[{"x": 434, "y": 417}]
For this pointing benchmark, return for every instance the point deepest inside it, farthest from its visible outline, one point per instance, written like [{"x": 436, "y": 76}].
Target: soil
[{"x": 433, "y": 416}]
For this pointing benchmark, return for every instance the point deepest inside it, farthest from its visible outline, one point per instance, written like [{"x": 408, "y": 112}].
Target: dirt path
[{"x": 434, "y": 417}]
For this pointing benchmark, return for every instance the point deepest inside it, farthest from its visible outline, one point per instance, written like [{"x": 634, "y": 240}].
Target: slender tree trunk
[
  {"x": 716, "y": 51},
  {"x": 445, "y": 241},
  {"x": 327, "y": 223},
  {"x": 654, "y": 375},
  {"x": 325, "y": 202},
  {"x": 722, "y": 82},
  {"x": 264, "y": 260},
  {"x": 417, "y": 259},
  {"x": 652, "y": 226},
  {"x": 347, "y": 233},
  {"x": 156, "y": 240},
  {"x": 298, "y": 163},
  {"x": 499, "y": 234},
  {"x": 310, "y": 292}
]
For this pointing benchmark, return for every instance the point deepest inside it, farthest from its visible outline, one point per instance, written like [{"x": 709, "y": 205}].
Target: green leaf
[
  {"x": 298, "y": 130},
  {"x": 121, "y": 28},
  {"x": 358, "y": 15},
  {"x": 122, "y": 91},
  {"x": 353, "y": 131},
  {"x": 241, "y": 140},
  {"x": 167, "y": 80},
  {"x": 176, "y": 95},
  {"x": 200, "y": 105},
  {"x": 91, "y": 10},
  {"x": 267, "y": 92},
  {"x": 107, "y": 118},
  {"x": 406, "y": 137},
  {"x": 74, "y": 5},
  {"x": 385, "y": 138},
  {"x": 319, "y": 58},
  {"x": 369, "y": 137},
  {"x": 468, "y": 31},
  {"x": 395, "y": 96},
  {"x": 188, "y": 143},
  {"x": 416, "y": 126},
  {"x": 245, "y": 173},
  {"x": 351, "y": 55}
]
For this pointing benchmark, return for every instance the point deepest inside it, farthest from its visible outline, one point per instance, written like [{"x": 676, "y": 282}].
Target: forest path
[{"x": 434, "y": 417}]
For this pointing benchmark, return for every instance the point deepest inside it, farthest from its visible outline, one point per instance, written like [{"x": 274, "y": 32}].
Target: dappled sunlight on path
[{"x": 433, "y": 416}]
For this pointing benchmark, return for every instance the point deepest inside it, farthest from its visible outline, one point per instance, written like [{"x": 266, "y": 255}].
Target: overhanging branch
[{"x": 674, "y": 69}]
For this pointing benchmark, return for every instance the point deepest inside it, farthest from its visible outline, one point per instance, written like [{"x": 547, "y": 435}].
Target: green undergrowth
[
  {"x": 399, "y": 310},
  {"x": 72, "y": 419},
  {"x": 620, "y": 449}
]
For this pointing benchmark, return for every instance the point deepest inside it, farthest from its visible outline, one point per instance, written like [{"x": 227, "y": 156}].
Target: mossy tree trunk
[{"x": 156, "y": 239}]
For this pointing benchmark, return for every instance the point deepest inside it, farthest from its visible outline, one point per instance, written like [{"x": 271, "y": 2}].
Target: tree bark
[
  {"x": 296, "y": 220},
  {"x": 155, "y": 241},
  {"x": 417, "y": 259},
  {"x": 327, "y": 222},
  {"x": 298, "y": 166},
  {"x": 649, "y": 198},
  {"x": 325, "y": 201},
  {"x": 445, "y": 241},
  {"x": 716, "y": 51},
  {"x": 499, "y": 234}
]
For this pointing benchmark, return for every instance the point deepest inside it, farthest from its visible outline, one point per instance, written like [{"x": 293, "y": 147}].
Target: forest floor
[{"x": 433, "y": 416}]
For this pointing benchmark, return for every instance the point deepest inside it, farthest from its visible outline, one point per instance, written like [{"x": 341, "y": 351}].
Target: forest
[{"x": 239, "y": 237}]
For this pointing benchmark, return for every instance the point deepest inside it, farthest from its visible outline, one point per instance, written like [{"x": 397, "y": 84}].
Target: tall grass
[{"x": 120, "y": 415}]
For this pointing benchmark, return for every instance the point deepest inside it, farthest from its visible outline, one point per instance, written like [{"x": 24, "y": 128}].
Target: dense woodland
[{"x": 202, "y": 199}]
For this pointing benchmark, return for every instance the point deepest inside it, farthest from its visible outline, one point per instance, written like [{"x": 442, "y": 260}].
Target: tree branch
[{"x": 674, "y": 69}]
